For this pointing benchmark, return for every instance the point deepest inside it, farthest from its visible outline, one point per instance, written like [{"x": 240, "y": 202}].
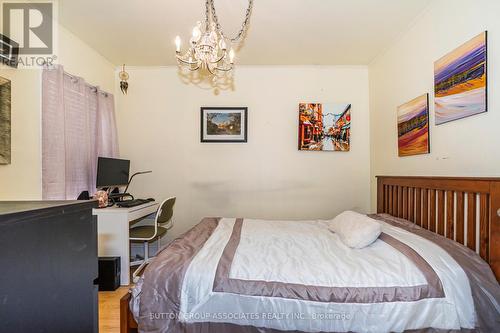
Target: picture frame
[
  {"x": 5, "y": 121},
  {"x": 223, "y": 124},
  {"x": 324, "y": 127},
  {"x": 413, "y": 127},
  {"x": 461, "y": 81}
]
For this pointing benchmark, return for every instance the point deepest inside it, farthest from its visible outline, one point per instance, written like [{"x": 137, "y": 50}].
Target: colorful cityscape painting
[
  {"x": 324, "y": 127},
  {"x": 460, "y": 82},
  {"x": 413, "y": 127}
]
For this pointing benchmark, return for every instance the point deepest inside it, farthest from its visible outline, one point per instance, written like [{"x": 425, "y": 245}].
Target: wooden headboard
[{"x": 466, "y": 210}]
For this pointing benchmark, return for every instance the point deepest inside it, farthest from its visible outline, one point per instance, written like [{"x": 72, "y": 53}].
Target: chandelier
[{"x": 208, "y": 46}]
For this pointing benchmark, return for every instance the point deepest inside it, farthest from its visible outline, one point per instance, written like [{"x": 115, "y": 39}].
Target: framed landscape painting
[
  {"x": 460, "y": 81},
  {"x": 224, "y": 124},
  {"x": 413, "y": 127},
  {"x": 324, "y": 127}
]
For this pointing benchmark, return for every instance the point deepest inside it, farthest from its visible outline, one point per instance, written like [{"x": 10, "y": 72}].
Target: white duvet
[{"x": 307, "y": 253}]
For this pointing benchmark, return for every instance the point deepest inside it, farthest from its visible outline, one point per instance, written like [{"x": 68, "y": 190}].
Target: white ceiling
[{"x": 285, "y": 32}]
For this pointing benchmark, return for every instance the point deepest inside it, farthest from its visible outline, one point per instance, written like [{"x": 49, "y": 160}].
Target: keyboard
[{"x": 133, "y": 203}]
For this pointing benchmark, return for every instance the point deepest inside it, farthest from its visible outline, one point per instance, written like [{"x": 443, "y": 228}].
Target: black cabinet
[{"x": 48, "y": 264}]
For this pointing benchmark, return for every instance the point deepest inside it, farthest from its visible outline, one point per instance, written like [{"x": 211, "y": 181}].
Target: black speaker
[
  {"x": 84, "y": 196},
  {"x": 109, "y": 273}
]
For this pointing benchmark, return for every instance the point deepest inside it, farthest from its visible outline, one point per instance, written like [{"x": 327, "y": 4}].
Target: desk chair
[{"x": 147, "y": 233}]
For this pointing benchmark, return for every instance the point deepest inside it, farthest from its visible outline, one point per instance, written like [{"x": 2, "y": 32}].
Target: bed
[{"x": 434, "y": 267}]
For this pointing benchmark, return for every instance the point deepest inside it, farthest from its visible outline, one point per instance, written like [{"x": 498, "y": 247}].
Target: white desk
[{"x": 113, "y": 225}]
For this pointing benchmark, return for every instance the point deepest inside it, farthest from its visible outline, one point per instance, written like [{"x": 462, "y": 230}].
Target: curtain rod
[
  {"x": 74, "y": 77},
  {"x": 94, "y": 88}
]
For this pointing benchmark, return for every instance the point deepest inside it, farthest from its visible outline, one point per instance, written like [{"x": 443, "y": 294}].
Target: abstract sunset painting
[
  {"x": 413, "y": 127},
  {"x": 460, "y": 84}
]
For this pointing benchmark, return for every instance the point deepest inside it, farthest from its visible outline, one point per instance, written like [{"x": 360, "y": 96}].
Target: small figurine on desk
[{"x": 102, "y": 198}]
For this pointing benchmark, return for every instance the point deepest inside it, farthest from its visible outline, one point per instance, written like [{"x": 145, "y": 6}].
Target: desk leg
[{"x": 113, "y": 241}]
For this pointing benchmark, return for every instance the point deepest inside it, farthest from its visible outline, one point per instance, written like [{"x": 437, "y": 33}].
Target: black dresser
[{"x": 48, "y": 264}]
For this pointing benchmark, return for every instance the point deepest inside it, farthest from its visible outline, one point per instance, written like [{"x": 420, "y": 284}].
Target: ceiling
[{"x": 284, "y": 32}]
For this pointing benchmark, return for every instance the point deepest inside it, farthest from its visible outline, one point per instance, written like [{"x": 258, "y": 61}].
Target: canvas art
[
  {"x": 224, "y": 124},
  {"x": 324, "y": 127},
  {"x": 460, "y": 81},
  {"x": 413, "y": 127},
  {"x": 5, "y": 93}
]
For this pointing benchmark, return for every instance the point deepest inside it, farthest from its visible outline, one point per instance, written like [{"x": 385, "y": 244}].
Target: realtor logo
[{"x": 29, "y": 25}]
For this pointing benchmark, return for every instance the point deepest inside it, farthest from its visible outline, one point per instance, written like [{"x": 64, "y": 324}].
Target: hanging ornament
[{"x": 123, "y": 83}]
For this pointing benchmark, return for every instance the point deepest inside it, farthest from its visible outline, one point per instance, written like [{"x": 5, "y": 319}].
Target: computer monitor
[{"x": 112, "y": 172}]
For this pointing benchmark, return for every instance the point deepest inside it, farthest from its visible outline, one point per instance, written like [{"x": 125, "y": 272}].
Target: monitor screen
[{"x": 112, "y": 172}]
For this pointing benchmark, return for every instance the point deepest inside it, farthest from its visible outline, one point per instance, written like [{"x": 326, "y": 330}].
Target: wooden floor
[{"x": 109, "y": 310}]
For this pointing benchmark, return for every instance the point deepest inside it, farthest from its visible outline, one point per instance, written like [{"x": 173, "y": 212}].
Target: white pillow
[{"x": 355, "y": 230}]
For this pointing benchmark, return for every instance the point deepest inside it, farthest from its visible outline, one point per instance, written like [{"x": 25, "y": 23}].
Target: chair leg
[
  {"x": 147, "y": 260},
  {"x": 146, "y": 251},
  {"x": 135, "y": 275}
]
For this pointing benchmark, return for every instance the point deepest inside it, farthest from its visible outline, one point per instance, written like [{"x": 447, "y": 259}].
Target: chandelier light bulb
[
  {"x": 196, "y": 33},
  {"x": 231, "y": 56},
  {"x": 177, "y": 44},
  {"x": 222, "y": 44}
]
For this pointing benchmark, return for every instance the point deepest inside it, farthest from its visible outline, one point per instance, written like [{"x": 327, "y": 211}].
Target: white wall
[
  {"x": 80, "y": 59},
  {"x": 21, "y": 180},
  {"x": 466, "y": 147},
  {"x": 159, "y": 130}
]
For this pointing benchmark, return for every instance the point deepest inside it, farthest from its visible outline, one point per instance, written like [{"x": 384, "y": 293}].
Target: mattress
[{"x": 245, "y": 275}]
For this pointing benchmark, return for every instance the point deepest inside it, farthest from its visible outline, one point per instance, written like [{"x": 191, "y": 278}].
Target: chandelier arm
[
  {"x": 192, "y": 69},
  {"x": 210, "y": 70},
  {"x": 218, "y": 60},
  {"x": 187, "y": 62},
  {"x": 224, "y": 69}
]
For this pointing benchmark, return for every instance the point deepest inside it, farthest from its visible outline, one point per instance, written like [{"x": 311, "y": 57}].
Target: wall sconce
[{"x": 123, "y": 77}]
